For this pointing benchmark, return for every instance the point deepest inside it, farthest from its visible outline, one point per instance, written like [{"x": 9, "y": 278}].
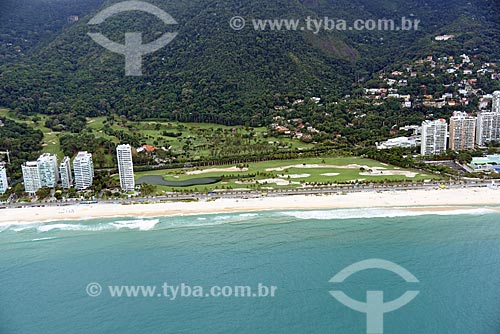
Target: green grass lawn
[
  {"x": 297, "y": 179},
  {"x": 196, "y": 140},
  {"x": 212, "y": 140},
  {"x": 50, "y": 138}
]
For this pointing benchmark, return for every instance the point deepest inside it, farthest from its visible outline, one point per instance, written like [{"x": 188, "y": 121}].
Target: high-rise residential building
[
  {"x": 66, "y": 175},
  {"x": 487, "y": 127},
  {"x": 495, "y": 104},
  {"x": 83, "y": 166},
  {"x": 125, "y": 167},
  {"x": 48, "y": 170},
  {"x": 31, "y": 177},
  {"x": 434, "y": 137},
  {"x": 4, "y": 184},
  {"x": 462, "y": 131}
]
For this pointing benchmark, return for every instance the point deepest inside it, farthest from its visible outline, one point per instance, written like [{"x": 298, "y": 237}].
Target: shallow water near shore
[{"x": 45, "y": 269}]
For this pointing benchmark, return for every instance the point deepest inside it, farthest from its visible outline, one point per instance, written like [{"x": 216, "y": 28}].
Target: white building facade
[
  {"x": 49, "y": 170},
  {"x": 31, "y": 177},
  {"x": 462, "y": 131},
  {"x": 495, "y": 103},
  {"x": 399, "y": 142},
  {"x": 4, "y": 184},
  {"x": 125, "y": 167},
  {"x": 83, "y": 167},
  {"x": 66, "y": 174},
  {"x": 434, "y": 137},
  {"x": 487, "y": 127}
]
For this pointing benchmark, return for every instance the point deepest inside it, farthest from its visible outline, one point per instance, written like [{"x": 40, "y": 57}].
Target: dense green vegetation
[
  {"x": 27, "y": 24},
  {"x": 21, "y": 141},
  {"x": 215, "y": 96},
  {"x": 212, "y": 74},
  {"x": 174, "y": 142}
]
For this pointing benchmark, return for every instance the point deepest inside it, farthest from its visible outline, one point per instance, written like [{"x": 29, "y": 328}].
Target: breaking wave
[
  {"x": 384, "y": 213},
  {"x": 148, "y": 224}
]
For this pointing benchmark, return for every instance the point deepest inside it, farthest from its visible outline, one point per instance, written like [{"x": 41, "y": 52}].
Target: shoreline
[{"x": 443, "y": 200}]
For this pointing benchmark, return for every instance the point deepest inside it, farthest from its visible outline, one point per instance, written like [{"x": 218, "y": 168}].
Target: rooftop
[{"x": 488, "y": 160}]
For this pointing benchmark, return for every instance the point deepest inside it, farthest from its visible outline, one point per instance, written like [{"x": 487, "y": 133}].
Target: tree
[
  {"x": 148, "y": 189},
  {"x": 43, "y": 193}
]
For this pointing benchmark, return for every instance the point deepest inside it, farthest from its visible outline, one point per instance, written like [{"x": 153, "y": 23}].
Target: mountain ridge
[{"x": 211, "y": 73}]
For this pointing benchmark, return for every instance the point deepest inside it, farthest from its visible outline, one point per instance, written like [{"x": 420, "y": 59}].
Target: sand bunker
[
  {"x": 389, "y": 173},
  {"x": 351, "y": 166},
  {"x": 217, "y": 170},
  {"x": 295, "y": 176},
  {"x": 279, "y": 182},
  {"x": 330, "y": 174}
]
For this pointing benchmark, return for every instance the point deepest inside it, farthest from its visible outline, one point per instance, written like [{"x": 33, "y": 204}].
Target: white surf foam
[
  {"x": 383, "y": 213},
  {"x": 21, "y": 228},
  {"x": 249, "y": 215},
  {"x": 44, "y": 239},
  {"x": 47, "y": 228},
  {"x": 138, "y": 224}
]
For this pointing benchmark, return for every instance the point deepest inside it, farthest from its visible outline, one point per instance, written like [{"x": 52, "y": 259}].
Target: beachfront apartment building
[
  {"x": 48, "y": 170},
  {"x": 462, "y": 131},
  {"x": 31, "y": 177},
  {"x": 65, "y": 173},
  {"x": 83, "y": 167},
  {"x": 125, "y": 167},
  {"x": 434, "y": 137},
  {"x": 495, "y": 102},
  {"x": 4, "y": 184},
  {"x": 487, "y": 127}
]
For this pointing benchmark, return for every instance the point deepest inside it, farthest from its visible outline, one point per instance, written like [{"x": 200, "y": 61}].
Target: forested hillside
[
  {"x": 211, "y": 73},
  {"x": 26, "y": 24},
  {"x": 21, "y": 141}
]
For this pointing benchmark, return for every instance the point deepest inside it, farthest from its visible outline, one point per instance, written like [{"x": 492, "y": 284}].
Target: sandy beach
[{"x": 441, "y": 200}]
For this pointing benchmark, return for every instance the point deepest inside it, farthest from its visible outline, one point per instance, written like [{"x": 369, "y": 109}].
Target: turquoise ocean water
[{"x": 45, "y": 269}]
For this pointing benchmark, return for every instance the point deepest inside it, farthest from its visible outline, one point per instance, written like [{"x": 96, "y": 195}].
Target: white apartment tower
[
  {"x": 434, "y": 137},
  {"x": 125, "y": 167},
  {"x": 3, "y": 179},
  {"x": 48, "y": 170},
  {"x": 495, "y": 104},
  {"x": 462, "y": 131},
  {"x": 66, "y": 175},
  {"x": 83, "y": 166},
  {"x": 31, "y": 177},
  {"x": 487, "y": 127}
]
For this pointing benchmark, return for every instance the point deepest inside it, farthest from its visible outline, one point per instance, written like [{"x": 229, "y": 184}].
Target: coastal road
[{"x": 338, "y": 189}]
